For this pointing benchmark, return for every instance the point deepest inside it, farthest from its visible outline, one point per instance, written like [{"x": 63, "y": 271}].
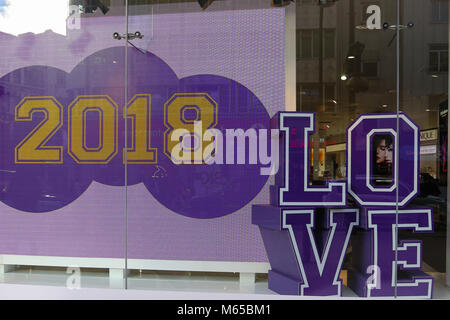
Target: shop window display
[{"x": 301, "y": 145}]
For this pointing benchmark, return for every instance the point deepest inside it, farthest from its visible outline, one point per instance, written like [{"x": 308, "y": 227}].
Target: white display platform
[
  {"x": 46, "y": 283},
  {"x": 247, "y": 270}
]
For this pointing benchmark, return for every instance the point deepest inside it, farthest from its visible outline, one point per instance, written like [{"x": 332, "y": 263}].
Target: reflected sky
[
  {"x": 22, "y": 16},
  {"x": 2, "y": 5}
]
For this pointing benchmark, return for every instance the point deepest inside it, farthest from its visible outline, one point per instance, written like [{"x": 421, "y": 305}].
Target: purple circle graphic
[
  {"x": 192, "y": 190},
  {"x": 210, "y": 191}
]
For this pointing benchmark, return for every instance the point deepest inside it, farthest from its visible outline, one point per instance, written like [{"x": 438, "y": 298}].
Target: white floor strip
[{"x": 32, "y": 284}]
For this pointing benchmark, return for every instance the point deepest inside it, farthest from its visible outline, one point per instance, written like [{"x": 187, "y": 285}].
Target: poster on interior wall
[{"x": 193, "y": 128}]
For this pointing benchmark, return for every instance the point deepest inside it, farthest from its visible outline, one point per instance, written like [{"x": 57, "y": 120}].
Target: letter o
[{"x": 360, "y": 161}]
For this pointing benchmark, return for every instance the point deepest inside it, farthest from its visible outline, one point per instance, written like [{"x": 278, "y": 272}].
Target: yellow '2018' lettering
[
  {"x": 106, "y": 149},
  {"x": 140, "y": 151},
  {"x": 183, "y": 139},
  {"x": 33, "y": 148},
  {"x": 188, "y": 113}
]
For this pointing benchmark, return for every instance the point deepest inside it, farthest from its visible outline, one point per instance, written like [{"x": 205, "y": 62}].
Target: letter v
[{"x": 320, "y": 275}]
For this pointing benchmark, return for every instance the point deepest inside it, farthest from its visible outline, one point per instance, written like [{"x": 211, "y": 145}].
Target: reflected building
[{"x": 345, "y": 69}]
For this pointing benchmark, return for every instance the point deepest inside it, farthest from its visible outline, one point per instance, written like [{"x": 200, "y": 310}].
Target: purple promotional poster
[{"x": 197, "y": 107}]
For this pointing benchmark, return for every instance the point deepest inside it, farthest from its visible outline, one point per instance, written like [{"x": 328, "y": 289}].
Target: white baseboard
[{"x": 135, "y": 264}]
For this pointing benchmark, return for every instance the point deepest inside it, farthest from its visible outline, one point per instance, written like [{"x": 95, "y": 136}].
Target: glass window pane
[
  {"x": 83, "y": 161},
  {"x": 443, "y": 61},
  {"x": 62, "y": 87},
  {"x": 424, "y": 98},
  {"x": 444, "y": 11},
  {"x": 370, "y": 69},
  {"x": 435, "y": 10},
  {"x": 306, "y": 43},
  {"x": 316, "y": 43},
  {"x": 434, "y": 61},
  {"x": 329, "y": 43},
  {"x": 298, "y": 43}
]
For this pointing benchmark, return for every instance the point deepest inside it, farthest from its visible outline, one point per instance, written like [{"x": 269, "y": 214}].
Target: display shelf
[{"x": 247, "y": 270}]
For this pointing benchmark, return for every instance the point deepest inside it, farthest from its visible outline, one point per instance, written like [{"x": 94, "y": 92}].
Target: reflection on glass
[
  {"x": 22, "y": 16},
  {"x": 346, "y": 65}
]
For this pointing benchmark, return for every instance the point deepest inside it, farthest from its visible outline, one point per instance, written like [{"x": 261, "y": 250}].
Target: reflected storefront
[
  {"x": 386, "y": 58},
  {"x": 279, "y": 147}
]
